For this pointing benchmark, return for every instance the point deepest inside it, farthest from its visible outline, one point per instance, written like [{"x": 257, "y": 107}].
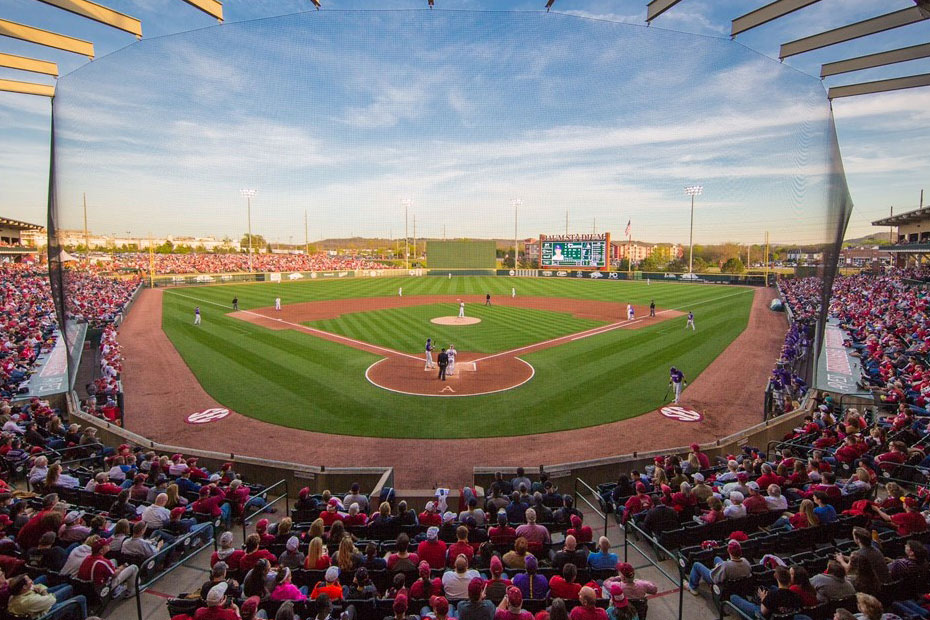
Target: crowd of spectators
[
  {"x": 27, "y": 325},
  {"x": 230, "y": 263}
]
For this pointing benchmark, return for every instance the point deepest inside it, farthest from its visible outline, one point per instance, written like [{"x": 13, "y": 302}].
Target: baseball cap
[
  {"x": 575, "y": 521},
  {"x": 497, "y": 567},
  {"x": 423, "y": 569},
  {"x": 333, "y": 503},
  {"x": 332, "y": 574},
  {"x": 734, "y": 548},
  {"x": 640, "y": 487},
  {"x": 400, "y": 604},
  {"x": 430, "y": 506},
  {"x": 99, "y": 544},
  {"x": 432, "y": 533},
  {"x": 736, "y": 496},
  {"x": 448, "y": 517},
  {"x": 262, "y": 525},
  {"x": 617, "y": 597},
  {"x": 475, "y": 586},
  {"x": 514, "y": 596},
  {"x": 625, "y": 569},
  {"x": 752, "y": 485},
  {"x": 217, "y": 594},
  {"x": 909, "y": 502},
  {"x": 439, "y": 604},
  {"x": 531, "y": 562},
  {"x": 695, "y": 447},
  {"x": 292, "y": 543},
  {"x": 72, "y": 516},
  {"x": 698, "y": 477},
  {"x": 742, "y": 476}
]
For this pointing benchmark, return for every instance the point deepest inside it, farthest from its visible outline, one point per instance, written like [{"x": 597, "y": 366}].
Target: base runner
[{"x": 630, "y": 313}]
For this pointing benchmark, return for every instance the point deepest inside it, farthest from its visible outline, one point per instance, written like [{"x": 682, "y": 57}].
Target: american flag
[{"x": 629, "y": 229}]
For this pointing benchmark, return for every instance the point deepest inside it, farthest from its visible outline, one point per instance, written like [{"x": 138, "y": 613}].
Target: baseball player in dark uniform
[
  {"x": 429, "y": 354},
  {"x": 487, "y": 299},
  {"x": 652, "y": 308},
  {"x": 443, "y": 360},
  {"x": 677, "y": 381},
  {"x": 235, "y": 303}
]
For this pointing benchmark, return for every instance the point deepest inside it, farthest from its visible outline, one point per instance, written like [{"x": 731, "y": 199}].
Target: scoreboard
[{"x": 574, "y": 251}]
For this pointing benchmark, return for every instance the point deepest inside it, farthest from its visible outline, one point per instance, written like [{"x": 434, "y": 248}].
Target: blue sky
[{"x": 345, "y": 114}]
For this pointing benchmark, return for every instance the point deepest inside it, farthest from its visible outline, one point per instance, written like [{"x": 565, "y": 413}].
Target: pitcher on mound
[{"x": 461, "y": 309}]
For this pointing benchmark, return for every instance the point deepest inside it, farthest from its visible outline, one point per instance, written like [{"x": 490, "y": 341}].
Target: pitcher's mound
[{"x": 454, "y": 320}]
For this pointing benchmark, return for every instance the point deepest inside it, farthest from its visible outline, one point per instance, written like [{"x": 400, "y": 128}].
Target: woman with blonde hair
[
  {"x": 804, "y": 517},
  {"x": 317, "y": 529},
  {"x": 348, "y": 557},
  {"x": 659, "y": 478},
  {"x": 174, "y": 497},
  {"x": 284, "y": 530},
  {"x": 317, "y": 558}
]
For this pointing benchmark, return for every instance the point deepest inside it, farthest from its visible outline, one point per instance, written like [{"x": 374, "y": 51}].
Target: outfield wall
[{"x": 461, "y": 254}]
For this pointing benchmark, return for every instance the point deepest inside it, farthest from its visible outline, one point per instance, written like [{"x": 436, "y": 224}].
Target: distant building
[
  {"x": 911, "y": 234},
  {"x": 802, "y": 257},
  {"x": 636, "y": 251},
  {"x": 19, "y": 239},
  {"x": 864, "y": 257}
]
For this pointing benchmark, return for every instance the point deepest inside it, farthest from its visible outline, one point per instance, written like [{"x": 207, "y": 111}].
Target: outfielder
[
  {"x": 513, "y": 293},
  {"x": 277, "y": 303},
  {"x": 450, "y": 352},
  {"x": 690, "y": 322},
  {"x": 197, "y": 315},
  {"x": 461, "y": 309},
  {"x": 677, "y": 380},
  {"x": 400, "y": 292},
  {"x": 429, "y": 354},
  {"x": 630, "y": 313}
]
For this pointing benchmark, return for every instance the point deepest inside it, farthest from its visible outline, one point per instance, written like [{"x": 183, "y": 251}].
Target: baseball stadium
[{"x": 538, "y": 310}]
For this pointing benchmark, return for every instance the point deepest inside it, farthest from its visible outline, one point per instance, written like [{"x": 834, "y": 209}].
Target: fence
[
  {"x": 631, "y": 528},
  {"x": 161, "y": 564},
  {"x": 593, "y": 507}
]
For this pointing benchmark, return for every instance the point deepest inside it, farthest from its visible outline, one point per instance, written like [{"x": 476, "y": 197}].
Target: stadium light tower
[
  {"x": 249, "y": 194},
  {"x": 406, "y": 202},
  {"x": 515, "y": 203},
  {"x": 692, "y": 190}
]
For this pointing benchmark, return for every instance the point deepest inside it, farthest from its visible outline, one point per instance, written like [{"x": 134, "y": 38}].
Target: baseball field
[{"x": 346, "y": 356}]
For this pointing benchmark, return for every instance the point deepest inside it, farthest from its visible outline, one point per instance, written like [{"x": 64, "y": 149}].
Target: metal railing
[
  {"x": 678, "y": 582},
  {"x": 264, "y": 496},
  {"x": 157, "y": 566},
  {"x": 596, "y": 509}
]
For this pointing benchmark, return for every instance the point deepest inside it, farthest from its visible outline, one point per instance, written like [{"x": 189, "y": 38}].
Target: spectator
[
  {"x": 620, "y": 608},
  {"x": 329, "y": 586},
  {"x": 564, "y": 586},
  {"x": 588, "y": 610},
  {"x": 516, "y": 557},
  {"x": 99, "y": 570},
  {"x": 317, "y": 559},
  {"x": 602, "y": 559},
  {"x": 832, "y": 585},
  {"x": 511, "y": 607},
  {"x": 291, "y": 557},
  {"x": 569, "y": 554},
  {"x": 476, "y": 607},
  {"x": 425, "y": 586},
  {"x": 532, "y": 585},
  {"x": 432, "y": 550},
  {"x": 455, "y": 582},
  {"x": 735, "y": 567},
  {"x": 779, "y": 600}
]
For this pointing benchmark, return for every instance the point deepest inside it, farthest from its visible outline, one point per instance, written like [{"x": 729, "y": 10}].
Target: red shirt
[
  {"x": 767, "y": 479},
  {"x": 232, "y": 560},
  {"x": 587, "y": 613},
  {"x": 560, "y": 588},
  {"x": 107, "y": 488},
  {"x": 755, "y": 504},
  {"x": 248, "y": 560},
  {"x": 216, "y": 613},
  {"x": 428, "y": 519},
  {"x": 96, "y": 568},
  {"x": 457, "y": 548},
  {"x": 417, "y": 589},
  {"x": 504, "y": 535},
  {"x": 331, "y": 517},
  {"x": 433, "y": 553},
  {"x": 909, "y": 523}
]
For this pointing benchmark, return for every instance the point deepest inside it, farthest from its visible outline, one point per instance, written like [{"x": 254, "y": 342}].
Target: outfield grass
[
  {"x": 502, "y": 328},
  {"x": 294, "y": 379}
]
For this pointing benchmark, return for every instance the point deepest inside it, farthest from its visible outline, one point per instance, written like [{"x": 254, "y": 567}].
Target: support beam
[
  {"x": 657, "y": 7},
  {"x": 864, "y": 28},
  {"x": 46, "y": 38},
  {"x": 210, "y": 7},
  {"x": 27, "y": 88},
  {"x": 28, "y": 64},
  {"x": 875, "y": 60},
  {"x": 767, "y": 13},
  {"x": 98, "y": 13},
  {"x": 879, "y": 86}
]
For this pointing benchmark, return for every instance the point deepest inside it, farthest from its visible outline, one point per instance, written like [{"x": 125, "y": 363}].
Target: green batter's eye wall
[{"x": 477, "y": 254}]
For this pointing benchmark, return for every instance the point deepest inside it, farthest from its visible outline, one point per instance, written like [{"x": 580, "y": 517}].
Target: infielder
[
  {"x": 690, "y": 322},
  {"x": 277, "y": 303},
  {"x": 429, "y": 354},
  {"x": 400, "y": 292},
  {"x": 197, "y": 315},
  {"x": 652, "y": 308},
  {"x": 235, "y": 303},
  {"x": 450, "y": 352},
  {"x": 513, "y": 293},
  {"x": 630, "y": 313},
  {"x": 487, "y": 299},
  {"x": 461, "y": 309},
  {"x": 676, "y": 380}
]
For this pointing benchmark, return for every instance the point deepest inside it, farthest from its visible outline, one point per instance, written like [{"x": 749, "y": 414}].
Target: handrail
[
  {"x": 627, "y": 543},
  {"x": 150, "y": 563},
  {"x": 264, "y": 496},
  {"x": 596, "y": 509},
  {"x": 739, "y": 612}
]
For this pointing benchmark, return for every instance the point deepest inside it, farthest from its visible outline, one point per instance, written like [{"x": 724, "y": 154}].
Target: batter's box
[{"x": 467, "y": 366}]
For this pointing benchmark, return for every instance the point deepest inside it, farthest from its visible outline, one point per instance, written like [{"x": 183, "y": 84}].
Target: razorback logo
[
  {"x": 681, "y": 414},
  {"x": 207, "y": 415},
  {"x": 596, "y": 274}
]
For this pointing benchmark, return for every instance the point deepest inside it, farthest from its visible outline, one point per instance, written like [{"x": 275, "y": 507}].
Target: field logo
[
  {"x": 681, "y": 414},
  {"x": 547, "y": 273},
  {"x": 207, "y": 415},
  {"x": 596, "y": 274},
  {"x": 561, "y": 274},
  {"x": 512, "y": 272},
  {"x": 614, "y": 276}
]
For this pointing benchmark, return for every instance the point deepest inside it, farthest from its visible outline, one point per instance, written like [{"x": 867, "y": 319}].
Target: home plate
[{"x": 455, "y": 320}]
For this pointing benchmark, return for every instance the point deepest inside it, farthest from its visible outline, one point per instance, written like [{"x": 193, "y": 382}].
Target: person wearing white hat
[
  {"x": 734, "y": 508},
  {"x": 216, "y": 608},
  {"x": 329, "y": 586}
]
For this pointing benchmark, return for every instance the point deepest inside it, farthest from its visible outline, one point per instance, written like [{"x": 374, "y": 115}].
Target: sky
[{"x": 345, "y": 114}]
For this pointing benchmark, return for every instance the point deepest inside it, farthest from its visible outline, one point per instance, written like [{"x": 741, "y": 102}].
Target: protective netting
[{"x": 343, "y": 115}]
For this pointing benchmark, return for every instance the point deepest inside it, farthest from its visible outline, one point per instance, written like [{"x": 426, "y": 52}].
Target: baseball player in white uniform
[
  {"x": 451, "y": 353},
  {"x": 429, "y": 354},
  {"x": 630, "y": 313},
  {"x": 277, "y": 303},
  {"x": 197, "y": 315},
  {"x": 690, "y": 322},
  {"x": 513, "y": 293},
  {"x": 400, "y": 292},
  {"x": 461, "y": 309}
]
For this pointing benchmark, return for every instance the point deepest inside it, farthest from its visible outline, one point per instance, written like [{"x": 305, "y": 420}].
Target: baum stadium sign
[{"x": 837, "y": 371}]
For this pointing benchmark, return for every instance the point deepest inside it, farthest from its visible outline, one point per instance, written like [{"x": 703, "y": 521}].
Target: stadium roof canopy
[
  {"x": 17, "y": 225},
  {"x": 917, "y": 215},
  {"x": 655, "y": 8}
]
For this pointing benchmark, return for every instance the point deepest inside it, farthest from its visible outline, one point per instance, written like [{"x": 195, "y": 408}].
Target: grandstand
[{"x": 813, "y": 507}]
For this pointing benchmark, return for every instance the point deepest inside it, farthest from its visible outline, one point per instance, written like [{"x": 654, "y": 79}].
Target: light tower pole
[
  {"x": 249, "y": 194},
  {"x": 692, "y": 190},
  {"x": 406, "y": 202},
  {"x": 515, "y": 203}
]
